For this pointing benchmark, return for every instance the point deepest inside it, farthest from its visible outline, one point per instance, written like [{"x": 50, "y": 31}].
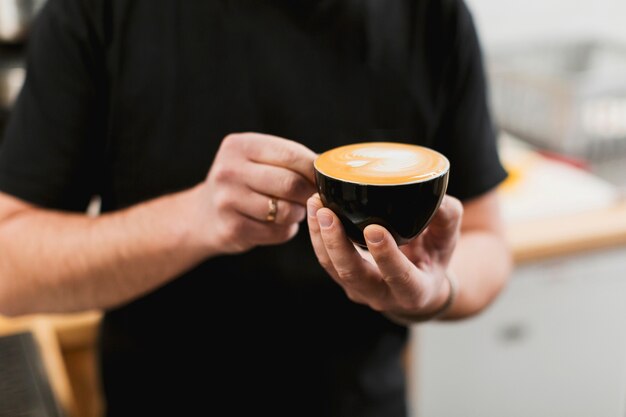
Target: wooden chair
[
  {"x": 54, "y": 357},
  {"x": 34, "y": 381}
]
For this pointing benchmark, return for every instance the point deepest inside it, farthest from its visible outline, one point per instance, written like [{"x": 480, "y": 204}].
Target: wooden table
[{"x": 580, "y": 232}]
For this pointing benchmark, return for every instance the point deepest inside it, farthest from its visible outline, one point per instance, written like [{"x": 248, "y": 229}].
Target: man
[{"x": 215, "y": 298}]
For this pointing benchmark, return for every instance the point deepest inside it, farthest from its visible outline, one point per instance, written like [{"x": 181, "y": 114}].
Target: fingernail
[
  {"x": 324, "y": 219},
  {"x": 374, "y": 235}
]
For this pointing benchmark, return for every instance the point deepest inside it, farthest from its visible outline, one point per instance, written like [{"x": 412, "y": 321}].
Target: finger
[
  {"x": 258, "y": 207},
  {"x": 278, "y": 182},
  {"x": 274, "y": 150},
  {"x": 446, "y": 224},
  {"x": 313, "y": 205},
  {"x": 416, "y": 251},
  {"x": 277, "y": 234},
  {"x": 243, "y": 232},
  {"x": 400, "y": 275},
  {"x": 354, "y": 274}
]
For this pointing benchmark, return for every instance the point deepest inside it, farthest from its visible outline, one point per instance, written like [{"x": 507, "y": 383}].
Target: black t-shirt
[{"x": 129, "y": 100}]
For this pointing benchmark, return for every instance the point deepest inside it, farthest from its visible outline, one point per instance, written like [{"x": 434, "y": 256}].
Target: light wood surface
[
  {"x": 568, "y": 234},
  {"x": 83, "y": 374}
]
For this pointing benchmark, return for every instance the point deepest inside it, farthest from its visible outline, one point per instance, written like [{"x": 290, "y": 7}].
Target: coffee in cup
[{"x": 396, "y": 185}]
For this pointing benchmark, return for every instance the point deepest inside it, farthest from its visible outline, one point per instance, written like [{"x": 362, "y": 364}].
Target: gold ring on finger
[{"x": 272, "y": 209}]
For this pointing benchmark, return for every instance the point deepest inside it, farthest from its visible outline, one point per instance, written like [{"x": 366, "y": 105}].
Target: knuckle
[
  {"x": 383, "y": 256},
  {"x": 223, "y": 174},
  {"x": 288, "y": 156},
  {"x": 291, "y": 185},
  {"x": 232, "y": 140},
  {"x": 326, "y": 264},
  {"x": 237, "y": 145},
  {"x": 222, "y": 205},
  {"x": 347, "y": 277},
  {"x": 331, "y": 242},
  {"x": 303, "y": 152},
  {"x": 405, "y": 276},
  {"x": 224, "y": 200},
  {"x": 401, "y": 278},
  {"x": 355, "y": 297}
]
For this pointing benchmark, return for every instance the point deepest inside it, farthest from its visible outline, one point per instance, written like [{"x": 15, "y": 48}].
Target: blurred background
[
  {"x": 15, "y": 20},
  {"x": 557, "y": 76},
  {"x": 554, "y": 343}
]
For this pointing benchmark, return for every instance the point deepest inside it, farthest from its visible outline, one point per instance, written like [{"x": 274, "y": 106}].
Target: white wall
[{"x": 504, "y": 21}]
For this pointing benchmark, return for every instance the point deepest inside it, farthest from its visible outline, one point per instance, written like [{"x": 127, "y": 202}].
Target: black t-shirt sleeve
[
  {"x": 465, "y": 133},
  {"x": 51, "y": 151}
]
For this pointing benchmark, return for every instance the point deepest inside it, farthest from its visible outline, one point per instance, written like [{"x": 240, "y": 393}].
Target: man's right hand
[
  {"x": 234, "y": 200},
  {"x": 53, "y": 261}
]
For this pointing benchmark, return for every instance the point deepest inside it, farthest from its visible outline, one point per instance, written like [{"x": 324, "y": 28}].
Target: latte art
[{"x": 382, "y": 163}]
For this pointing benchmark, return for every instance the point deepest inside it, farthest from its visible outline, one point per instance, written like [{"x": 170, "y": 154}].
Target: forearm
[
  {"x": 481, "y": 264},
  {"x": 59, "y": 262}
]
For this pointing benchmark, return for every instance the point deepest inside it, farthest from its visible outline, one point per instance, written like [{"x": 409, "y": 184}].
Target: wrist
[
  {"x": 189, "y": 218},
  {"x": 445, "y": 301}
]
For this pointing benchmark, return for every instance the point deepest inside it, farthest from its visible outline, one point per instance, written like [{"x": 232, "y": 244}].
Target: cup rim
[{"x": 417, "y": 181}]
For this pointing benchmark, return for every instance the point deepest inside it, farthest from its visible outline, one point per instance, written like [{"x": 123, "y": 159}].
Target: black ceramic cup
[{"x": 395, "y": 185}]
